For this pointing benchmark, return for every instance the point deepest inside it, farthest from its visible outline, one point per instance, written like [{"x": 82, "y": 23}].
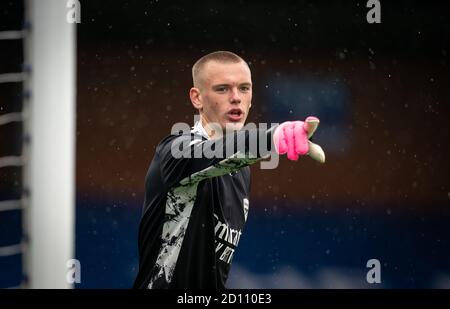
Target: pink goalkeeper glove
[{"x": 291, "y": 137}]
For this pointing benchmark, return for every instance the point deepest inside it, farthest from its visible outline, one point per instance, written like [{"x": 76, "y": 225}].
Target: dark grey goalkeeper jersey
[{"x": 195, "y": 208}]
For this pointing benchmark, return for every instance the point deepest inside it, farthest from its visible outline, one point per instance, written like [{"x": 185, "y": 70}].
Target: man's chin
[{"x": 233, "y": 126}]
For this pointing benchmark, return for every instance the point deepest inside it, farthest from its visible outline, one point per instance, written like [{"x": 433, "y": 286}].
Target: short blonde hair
[{"x": 219, "y": 56}]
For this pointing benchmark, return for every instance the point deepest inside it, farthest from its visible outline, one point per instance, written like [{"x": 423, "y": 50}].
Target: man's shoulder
[{"x": 181, "y": 136}]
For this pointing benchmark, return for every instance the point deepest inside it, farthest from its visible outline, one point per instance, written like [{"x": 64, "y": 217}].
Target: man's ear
[{"x": 196, "y": 99}]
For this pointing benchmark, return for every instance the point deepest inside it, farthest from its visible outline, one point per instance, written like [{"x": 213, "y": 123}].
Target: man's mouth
[{"x": 235, "y": 114}]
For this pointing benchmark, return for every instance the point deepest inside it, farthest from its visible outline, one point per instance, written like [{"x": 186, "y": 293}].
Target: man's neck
[{"x": 209, "y": 129}]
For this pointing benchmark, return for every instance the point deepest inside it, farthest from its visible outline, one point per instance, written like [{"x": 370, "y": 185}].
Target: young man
[{"x": 196, "y": 206}]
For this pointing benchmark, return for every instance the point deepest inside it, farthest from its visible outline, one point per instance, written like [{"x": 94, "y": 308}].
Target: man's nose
[{"x": 235, "y": 97}]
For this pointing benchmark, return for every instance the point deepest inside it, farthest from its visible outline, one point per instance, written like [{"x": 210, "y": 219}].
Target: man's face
[{"x": 225, "y": 94}]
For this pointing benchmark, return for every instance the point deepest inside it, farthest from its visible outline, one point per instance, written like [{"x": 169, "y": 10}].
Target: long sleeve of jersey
[{"x": 186, "y": 155}]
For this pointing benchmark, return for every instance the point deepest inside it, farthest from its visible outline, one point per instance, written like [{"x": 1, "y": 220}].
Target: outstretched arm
[{"x": 189, "y": 156}]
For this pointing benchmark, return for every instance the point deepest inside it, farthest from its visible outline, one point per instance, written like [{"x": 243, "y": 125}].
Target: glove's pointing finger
[
  {"x": 316, "y": 152},
  {"x": 310, "y": 125}
]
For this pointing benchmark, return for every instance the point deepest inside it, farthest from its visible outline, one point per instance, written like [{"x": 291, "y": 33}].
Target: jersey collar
[{"x": 199, "y": 129}]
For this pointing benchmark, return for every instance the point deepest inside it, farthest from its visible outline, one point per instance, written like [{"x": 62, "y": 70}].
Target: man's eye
[
  {"x": 245, "y": 88},
  {"x": 221, "y": 89}
]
